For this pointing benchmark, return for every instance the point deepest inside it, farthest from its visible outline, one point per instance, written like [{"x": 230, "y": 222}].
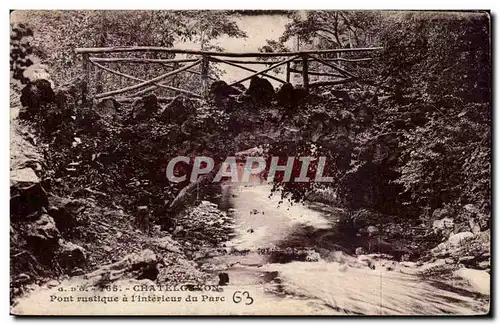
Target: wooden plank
[
  {"x": 211, "y": 53},
  {"x": 144, "y": 82},
  {"x": 248, "y": 69},
  {"x": 345, "y": 60},
  {"x": 330, "y": 82},
  {"x": 262, "y": 71},
  {"x": 315, "y": 73},
  {"x": 129, "y": 100},
  {"x": 237, "y": 61},
  {"x": 141, "y": 60},
  {"x": 344, "y": 72},
  {"x": 144, "y": 91}
]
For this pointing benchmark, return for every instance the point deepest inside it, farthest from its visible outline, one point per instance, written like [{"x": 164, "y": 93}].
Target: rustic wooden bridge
[{"x": 202, "y": 59}]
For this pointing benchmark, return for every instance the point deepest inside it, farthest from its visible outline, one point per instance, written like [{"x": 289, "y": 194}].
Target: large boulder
[
  {"x": 479, "y": 280},
  {"x": 68, "y": 95},
  {"x": 221, "y": 95},
  {"x": 26, "y": 198},
  {"x": 459, "y": 238},
  {"x": 107, "y": 107},
  {"x": 444, "y": 226},
  {"x": 178, "y": 110},
  {"x": 70, "y": 255},
  {"x": 42, "y": 235},
  {"x": 289, "y": 96},
  {"x": 144, "y": 108},
  {"x": 260, "y": 90},
  {"x": 37, "y": 93},
  {"x": 66, "y": 212},
  {"x": 284, "y": 95}
]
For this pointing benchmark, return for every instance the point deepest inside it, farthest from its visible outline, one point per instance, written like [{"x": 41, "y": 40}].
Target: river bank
[{"x": 258, "y": 250}]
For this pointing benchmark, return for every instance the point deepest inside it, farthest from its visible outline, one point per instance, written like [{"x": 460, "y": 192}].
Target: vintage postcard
[{"x": 250, "y": 162}]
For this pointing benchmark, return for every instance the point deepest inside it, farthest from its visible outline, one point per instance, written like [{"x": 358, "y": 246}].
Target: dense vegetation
[
  {"x": 428, "y": 145},
  {"x": 418, "y": 136}
]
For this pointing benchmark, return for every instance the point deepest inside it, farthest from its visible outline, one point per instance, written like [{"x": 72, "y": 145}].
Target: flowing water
[{"x": 329, "y": 285}]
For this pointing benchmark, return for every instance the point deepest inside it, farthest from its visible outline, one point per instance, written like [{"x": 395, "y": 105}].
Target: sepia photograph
[{"x": 250, "y": 162}]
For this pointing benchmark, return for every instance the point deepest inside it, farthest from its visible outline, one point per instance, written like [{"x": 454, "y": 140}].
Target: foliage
[
  {"x": 58, "y": 33},
  {"x": 429, "y": 143}
]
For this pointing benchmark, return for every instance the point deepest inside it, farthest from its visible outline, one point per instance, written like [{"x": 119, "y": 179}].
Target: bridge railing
[{"x": 203, "y": 58}]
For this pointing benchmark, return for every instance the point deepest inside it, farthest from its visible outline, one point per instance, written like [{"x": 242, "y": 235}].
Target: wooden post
[
  {"x": 86, "y": 78},
  {"x": 204, "y": 75},
  {"x": 305, "y": 72},
  {"x": 175, "y": 79},
  {"x": 288, "y": 72}
]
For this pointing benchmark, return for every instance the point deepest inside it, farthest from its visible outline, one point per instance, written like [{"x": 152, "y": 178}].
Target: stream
[{"x": 331, "y": 284}]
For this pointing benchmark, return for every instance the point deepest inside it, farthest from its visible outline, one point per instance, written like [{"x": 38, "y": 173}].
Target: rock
[
  {"x": 178, "y": 110},
  {"x": 457, "y": 239},
  {"x": 449, "y": 260},
  {"x": 313, "y": 256},
  {"x": 220, "y": 92},
  {"x": 342, "y": 95},
  {"x": 408, "y": 264},
  {"x": 484, "y": 265},
  {"x": 444, "y": 226},
  {"x": 146, "y": 256},
  {"x": 52, "y": 284},
  {"x": 66, "y": 212},
  {"x": 37, "y": 93},
  {"x": 23, "y": 175},
  {"x": 478, "y": 279},
  {"x": 290, "y": 133},
  {"x": 223, "y": 278},
  {"x": 284, "y": 95},
  {"x": 71, "y": 255},
  {"x": 108, "y": 107},
  {"x": 360, "y": 251},
  {"x": 67, "y": 96},
  {"x": 475, "y": 228},
  {"x": 299, "y": 94},
  {"x": 467, "y": 260},
  {"x": 27, "y": 194},
  {"x": 22, "y": 278},
  {"x": 372, "y": 230},
  {"x": 178, "y": 230},
  {"x": 207, "y": 204},
  {"x": 144, "y": 108},
  {"x": 43, "y": 234},
  {"x": 260, "y": 90}
]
